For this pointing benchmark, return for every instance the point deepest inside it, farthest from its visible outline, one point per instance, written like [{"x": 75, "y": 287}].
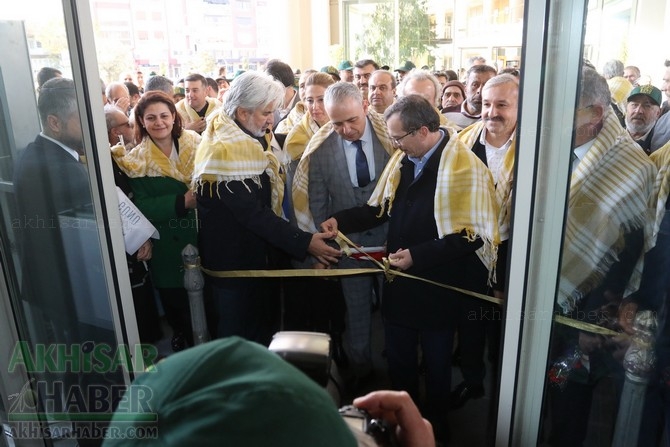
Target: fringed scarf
[
  {"x": 609, "y": 197},
  {"x": 301, "y": 180},
  {"x": 147, "y": 160},
  {"x": 300, "y": 135},
  {"x": 293, "y": 118},
  {"x": 469, "y": 136},
  {"x": 189, "y": 115},
  {"x": 226, "y": 153},
  {"x": 464, "y": 198}
]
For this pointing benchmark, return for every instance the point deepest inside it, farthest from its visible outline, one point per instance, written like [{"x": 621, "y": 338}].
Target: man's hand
[
  {"x": 401, "y": 259},
  {"x": 197, "y": 125},
  {"x": 397, "y": 408},
  {"x": 122, "y": 104},
  {"x": 144, "y": 252},
  {"x": 626, "y": 317},
  {"x": 329, "y": 226},
  {"x": 323, "y": 252},
  {"x": 189, "y": 200}
]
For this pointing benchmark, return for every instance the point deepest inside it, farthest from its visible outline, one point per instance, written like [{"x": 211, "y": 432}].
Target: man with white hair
[{"x": 240, "y": 190}]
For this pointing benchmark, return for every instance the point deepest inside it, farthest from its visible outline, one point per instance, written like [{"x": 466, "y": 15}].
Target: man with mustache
[
  {"x": 362, "y": 71},
  {"x": 493, "y": 140},
  {"x": 642, "y": 110},
  {"x": 471, "y": 108}
]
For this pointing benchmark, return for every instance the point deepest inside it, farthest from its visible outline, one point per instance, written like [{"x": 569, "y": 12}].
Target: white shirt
[
  {"x": 580, "y": 152},
  {"x": 70, "y": 151},
  {"x": 350, "y": 150},
  {"x": 495, "y": 155}
]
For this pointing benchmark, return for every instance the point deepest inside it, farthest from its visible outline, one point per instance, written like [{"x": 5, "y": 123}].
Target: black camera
[{"x": 377, "y": 431}]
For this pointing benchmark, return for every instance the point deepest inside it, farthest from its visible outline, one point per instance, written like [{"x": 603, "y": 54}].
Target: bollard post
[
  {"x": 638, "y": 363},
  {"x": 194, "y": 283}
]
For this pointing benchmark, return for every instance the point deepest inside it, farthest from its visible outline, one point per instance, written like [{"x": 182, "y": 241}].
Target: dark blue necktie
[{"x": 362, "y": 169}]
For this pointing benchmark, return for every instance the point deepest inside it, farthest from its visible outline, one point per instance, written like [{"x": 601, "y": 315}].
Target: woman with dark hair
[{"x": 160, "y": 169}]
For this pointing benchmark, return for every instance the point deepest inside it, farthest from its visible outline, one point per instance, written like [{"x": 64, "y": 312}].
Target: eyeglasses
[{"x": 396, "y": 141}]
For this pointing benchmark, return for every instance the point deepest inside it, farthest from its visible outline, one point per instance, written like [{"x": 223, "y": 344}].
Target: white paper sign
[{"x": 136, "y": 228}]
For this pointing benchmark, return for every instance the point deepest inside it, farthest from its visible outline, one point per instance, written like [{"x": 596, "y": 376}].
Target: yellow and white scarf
[
  {"x": 189, "y": 115},
  {"x": 469, "y": 136},
  {"x": 298, "y": 138},
  {"x": 661, "y": 158},
  {"x": 293, "y": 118},
  {"x": 301, "y": 179},
  {"x": 147, "y": 160},
  {"x": 610, "y": 193},
  {"x": 226, "y": 153},
  {"x": 464, "y": 198}
]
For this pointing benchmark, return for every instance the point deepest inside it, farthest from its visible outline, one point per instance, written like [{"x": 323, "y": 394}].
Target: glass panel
[
  {"x": 50, "y": 243},
  {"x": 607, "y": 366}
]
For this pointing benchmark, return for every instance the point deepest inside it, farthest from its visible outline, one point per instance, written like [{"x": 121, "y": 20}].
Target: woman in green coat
[{"x": 160, "y": 169}]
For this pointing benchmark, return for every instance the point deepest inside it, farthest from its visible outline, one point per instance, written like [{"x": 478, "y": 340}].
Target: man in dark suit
[
  {"x": 493, "y": 140},
  {"x": 49, "y": 180},
  {"x": 334, "y": 185},
  {"x": 432, "y": 180}
]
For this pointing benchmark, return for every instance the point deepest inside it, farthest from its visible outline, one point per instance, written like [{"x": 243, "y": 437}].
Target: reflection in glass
[
  {"x": 607, "y": 232},
  {"x": 59, "y": 293}
]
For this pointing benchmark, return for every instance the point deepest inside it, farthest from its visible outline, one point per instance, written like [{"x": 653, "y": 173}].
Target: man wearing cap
[
  {"x": 346, "y": 71},
  {"x": 453, "y": 95},
  {"x": 332, "y": 71},
  {"x": 362, "y": 71},
  {"x": 405, "y": 68},
  {"x": 642, "y": 111},
  {"x": 471, "y": 109}
]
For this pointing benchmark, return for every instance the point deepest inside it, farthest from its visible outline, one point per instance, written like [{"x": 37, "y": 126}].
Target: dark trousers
[
  {"x": 313, "y": 304},
  {"x": 177, "y": 311},
  {"x": 478, "y": 320},
  {"x": 247, "y": 307},
  {"x": 402, "y": 352}
]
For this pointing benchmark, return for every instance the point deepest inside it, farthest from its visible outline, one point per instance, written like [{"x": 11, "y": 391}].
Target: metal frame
[{"x": 554, "y": 35}]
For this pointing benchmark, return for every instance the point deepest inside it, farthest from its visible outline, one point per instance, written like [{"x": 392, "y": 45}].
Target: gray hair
[
  {"x": 112, "y": 85},
  {"x": 58, "y": 98},
  {"x": 612, "y": 68},
  {"x": 422, "y": 75},
  {"x": 593, "y": 89},
  {"x": 500, "y": 79},
  {"x": 252, "y": 90},
  {"x": 340, "y": 92},
  {"x": 160, "y": 83}
]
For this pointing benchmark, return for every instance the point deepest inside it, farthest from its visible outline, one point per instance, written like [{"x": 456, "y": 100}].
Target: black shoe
[
  {"x": 178, "y": 342},
  {"x": 463, "y": 393}
]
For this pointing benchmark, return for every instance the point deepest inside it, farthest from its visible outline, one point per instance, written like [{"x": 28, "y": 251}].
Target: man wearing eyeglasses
[
  {"x": 339, "y": 169},
  {"x": 643, "y": 108},
  {"x": 429, "y": 181}
]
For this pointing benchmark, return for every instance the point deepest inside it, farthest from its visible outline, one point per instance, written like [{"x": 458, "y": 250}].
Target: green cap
[
  {"x": 648, "y": 90},
  {"x": 345, "y": 65},
  {"x": 406, "y": 66},
  {"x": 230, "y": 392},
  {"x": 331, "y": 71}
]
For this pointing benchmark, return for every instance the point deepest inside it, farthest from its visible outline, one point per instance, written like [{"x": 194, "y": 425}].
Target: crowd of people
[{"x": 262, "y": 173}]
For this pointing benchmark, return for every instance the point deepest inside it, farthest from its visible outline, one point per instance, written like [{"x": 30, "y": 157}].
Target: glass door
[{"x": 67, "y": 350}]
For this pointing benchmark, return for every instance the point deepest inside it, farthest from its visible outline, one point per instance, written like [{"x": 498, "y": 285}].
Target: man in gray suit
[{"x": 343, "y": 171}]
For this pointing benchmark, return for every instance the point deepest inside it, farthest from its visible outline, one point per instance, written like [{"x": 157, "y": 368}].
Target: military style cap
[
  {"x": 230, "y": 392},
  {"x": 331, "y": 71},
  {"x": 407, "y": 66},
  {"x": 648, "y": 90}
]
